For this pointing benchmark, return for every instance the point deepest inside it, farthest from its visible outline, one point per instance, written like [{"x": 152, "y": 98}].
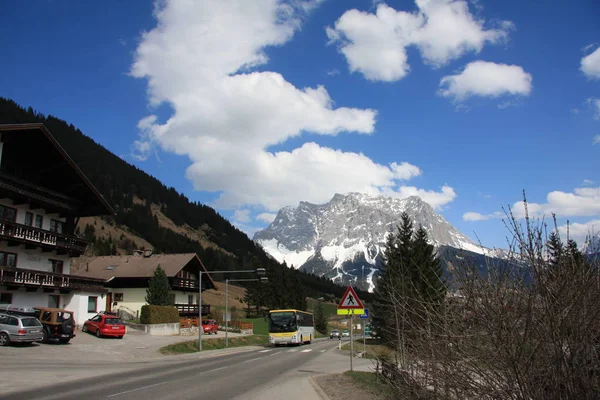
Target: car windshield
[
  {"x": 30, "y": 322},
  {"x": 284, "y": 321},
  {"x": 112, "y": 321}
]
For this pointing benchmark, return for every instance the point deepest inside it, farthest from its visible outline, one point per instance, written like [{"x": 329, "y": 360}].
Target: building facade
[{"x": 43, "y": 193}]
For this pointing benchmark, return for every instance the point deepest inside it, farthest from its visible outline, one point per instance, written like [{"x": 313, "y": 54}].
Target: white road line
[
  {"x": 254, "y": 359},
  {"x": 212, "y": 370},
  {"x": 277, "y": 352},
  {"x": 306, "y": 351},
  {"x": 292, "y": 350},
  {"x": 135, "y": 390},
  {"x": 323, "y": 351},
  {"x": 265, "y": 351}
]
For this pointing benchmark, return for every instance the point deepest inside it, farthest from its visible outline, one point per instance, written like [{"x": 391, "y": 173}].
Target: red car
[
  {"x": 210, "y": 326},
  {"x": 105, "y": 325}
]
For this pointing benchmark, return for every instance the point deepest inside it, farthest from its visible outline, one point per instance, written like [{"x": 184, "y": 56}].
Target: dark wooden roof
[
  {"x": 132, "y": 266},
  {"x": 30, "y": 153}
]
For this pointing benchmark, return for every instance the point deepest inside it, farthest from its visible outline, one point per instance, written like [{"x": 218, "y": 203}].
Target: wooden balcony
[
  {"x": 185, "y": 284},
  {"x": 191, "y": 310},
  {"x": 39, "y": 237},
  {"x": 31, "y": 278}
]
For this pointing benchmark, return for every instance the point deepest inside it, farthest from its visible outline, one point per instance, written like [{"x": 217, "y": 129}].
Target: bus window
[{"x": 284, "y": 321}]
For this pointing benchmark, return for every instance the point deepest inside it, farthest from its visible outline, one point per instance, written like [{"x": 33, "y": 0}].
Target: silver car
[{"x": 19, "y": 329}]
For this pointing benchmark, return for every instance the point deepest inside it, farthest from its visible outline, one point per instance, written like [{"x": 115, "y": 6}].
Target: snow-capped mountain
[
  {"x": 345, "y": 238},
  {"x": 592, "y": 244}
]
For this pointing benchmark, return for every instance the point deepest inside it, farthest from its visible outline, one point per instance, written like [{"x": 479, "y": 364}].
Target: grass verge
[
  {"x": 374, "y": 349},
  {"x": 214, "y": 344},
  {"x": 367, "y": 381}
]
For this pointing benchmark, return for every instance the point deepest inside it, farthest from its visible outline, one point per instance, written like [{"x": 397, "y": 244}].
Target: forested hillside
[{"x": 136, "y": 195}]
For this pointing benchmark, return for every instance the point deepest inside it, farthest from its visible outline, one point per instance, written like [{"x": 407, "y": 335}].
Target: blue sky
[{"x": 252, "y": 106}]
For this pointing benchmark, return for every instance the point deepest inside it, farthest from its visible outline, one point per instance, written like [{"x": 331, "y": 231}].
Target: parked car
[
  {"x": 210, "y": 326},
  {"x": 334, "y": 333},
  {"x": 105, "y": 324},
  {"x": 19, "y": 329},
  {"x": 345, "y": 333},
  {"x": 57, "y": 322}
]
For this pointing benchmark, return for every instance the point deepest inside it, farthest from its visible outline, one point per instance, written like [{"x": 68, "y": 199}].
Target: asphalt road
[{"x": 192, "y": 377}]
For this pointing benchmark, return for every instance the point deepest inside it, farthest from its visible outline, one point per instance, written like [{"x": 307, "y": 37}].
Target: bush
[{"x": 159, "y": 314}]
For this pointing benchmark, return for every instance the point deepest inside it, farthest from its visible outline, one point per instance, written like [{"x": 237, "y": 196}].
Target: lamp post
[
  {"x": 257, "y": 271},
  {"x": 263, "y": 279}
]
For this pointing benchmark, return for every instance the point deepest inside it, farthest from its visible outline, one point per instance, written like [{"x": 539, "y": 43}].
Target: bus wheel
[{"x": 309, "y": 339}]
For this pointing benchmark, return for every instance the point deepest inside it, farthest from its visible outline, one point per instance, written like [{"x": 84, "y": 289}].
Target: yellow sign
[{"x": 351, "y": 311}]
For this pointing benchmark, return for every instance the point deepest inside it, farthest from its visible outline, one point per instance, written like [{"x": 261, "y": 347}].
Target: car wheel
[
  {"x": 64, "y": 341},
  {"x": 84, "y": 328},
  {"x": 98, "y": 334},
  {"x": 4, "y": 339},
  {"x": 45, "y": 335},
  {"x": 120, "y": 337}
]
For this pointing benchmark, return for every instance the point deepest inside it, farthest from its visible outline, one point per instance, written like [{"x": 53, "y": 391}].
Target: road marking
[
  {"x": 277, "y": 352},
  {"x": 292, "y": 350},
  {"x": 254, "y": 359},
  {"x": 265, "y": 351},
  {"x": 135, "y": 390},
  {"x": 323, "y": 351},
  {"x": 306, "y": 351},
  {"x": 212, "y": 370}
]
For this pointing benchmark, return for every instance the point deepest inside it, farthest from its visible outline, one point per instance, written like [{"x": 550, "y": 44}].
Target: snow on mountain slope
[{"x": 351, "y": 229}]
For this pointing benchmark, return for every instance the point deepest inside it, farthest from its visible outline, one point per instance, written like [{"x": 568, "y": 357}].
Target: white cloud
[
  {"x": 436, "y": 199},
  {"x": 200, "y": 59},
  {"x": 333, "y": 72},
  {"x": 474, "y": 216},
  {"x": 596, "y": 139},
  {"x": 443, "y": 30},
  {"x": 482, "y": 78},
  {"x": 590, "y": 64},
  {"x": 587, "y": 182},
  {"x": 583, "y": 202},
  {"x": 579, "y": 231},
  {"x": 242, "y": 215},
  {"x": 595, "y": 104},
  {"x": 266, "y": 217}
]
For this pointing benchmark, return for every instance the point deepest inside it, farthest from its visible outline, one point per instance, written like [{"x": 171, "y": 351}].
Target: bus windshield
[{"x": 282, "y": 322}]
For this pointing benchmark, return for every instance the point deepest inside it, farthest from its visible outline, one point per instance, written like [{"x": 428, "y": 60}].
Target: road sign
[
  {"x": 365, "y": 315},
  {"x": 350, "y": 304}
]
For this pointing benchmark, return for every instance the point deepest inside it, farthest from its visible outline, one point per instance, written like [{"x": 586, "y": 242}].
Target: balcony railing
[
  {"x": 41, "y": 237},
  {"x": 182, "y": 284},
  {"x": 28, "y": 277},
  {"x": 192, "y": 309}
]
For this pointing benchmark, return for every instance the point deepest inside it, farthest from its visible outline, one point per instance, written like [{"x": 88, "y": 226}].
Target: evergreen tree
[
  {"x": 158, "y": 292},
  {"x": 431, "y": 285},
  {"x": 555, "y": 249},
  {"x": 320, "y": 318}
]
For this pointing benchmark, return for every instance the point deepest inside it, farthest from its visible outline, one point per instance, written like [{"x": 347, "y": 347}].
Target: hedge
[{"x": 159, "y": 315}]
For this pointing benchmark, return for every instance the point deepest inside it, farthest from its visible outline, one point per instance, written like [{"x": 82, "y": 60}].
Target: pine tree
[
  {"x": 320, "y": 318},
  {"x": 431, "y": 285},
  {"x": 158, "y": 292},
  {"x": 555, "y": 249}
]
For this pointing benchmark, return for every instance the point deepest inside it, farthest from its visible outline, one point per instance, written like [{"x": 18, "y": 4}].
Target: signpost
[
  {"x": 365, "y": 316},
  {"x": 351, "y": 305}
]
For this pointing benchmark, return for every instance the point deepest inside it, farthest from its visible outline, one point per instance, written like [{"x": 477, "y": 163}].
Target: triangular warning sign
[{"x": 350, "y": 300}]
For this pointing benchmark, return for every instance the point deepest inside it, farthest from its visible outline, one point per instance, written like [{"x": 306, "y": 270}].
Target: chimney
[{"x": 147, "y": 252}]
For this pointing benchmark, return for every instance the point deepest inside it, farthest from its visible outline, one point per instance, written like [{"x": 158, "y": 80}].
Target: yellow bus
[{"x": 290, "y": 327}]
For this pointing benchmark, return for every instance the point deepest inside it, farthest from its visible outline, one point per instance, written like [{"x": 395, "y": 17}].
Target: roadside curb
[{"x": 318, "y": 388}]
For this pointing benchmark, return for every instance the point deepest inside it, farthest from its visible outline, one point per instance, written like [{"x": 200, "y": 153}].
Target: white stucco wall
[{"x": 79, "y": 305}]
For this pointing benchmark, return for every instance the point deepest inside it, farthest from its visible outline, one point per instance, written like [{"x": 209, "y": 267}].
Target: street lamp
[
  {"x": 257, "y": 271},
  {"x": 263, "y": 279}
]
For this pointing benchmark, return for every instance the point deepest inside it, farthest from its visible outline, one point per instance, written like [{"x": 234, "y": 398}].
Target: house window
[
  {"x": 57, "y": 266},
  {"x": 54, "y": 301},
  {"x": 190, "y": 299},
  {"x": 8, "y": 213},
  {"x": 92, "y": 304},
  {"x": 118, "y": 296},
  {"x": 34, "y": 220},
  {"x": 56, "y": 226},
  {"x": 8, "y": 259},
  {"x": 5, "y": 298}
]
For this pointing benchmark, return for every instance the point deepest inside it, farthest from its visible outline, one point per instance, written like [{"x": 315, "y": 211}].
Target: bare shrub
[{"x": 527, "y": 328}]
